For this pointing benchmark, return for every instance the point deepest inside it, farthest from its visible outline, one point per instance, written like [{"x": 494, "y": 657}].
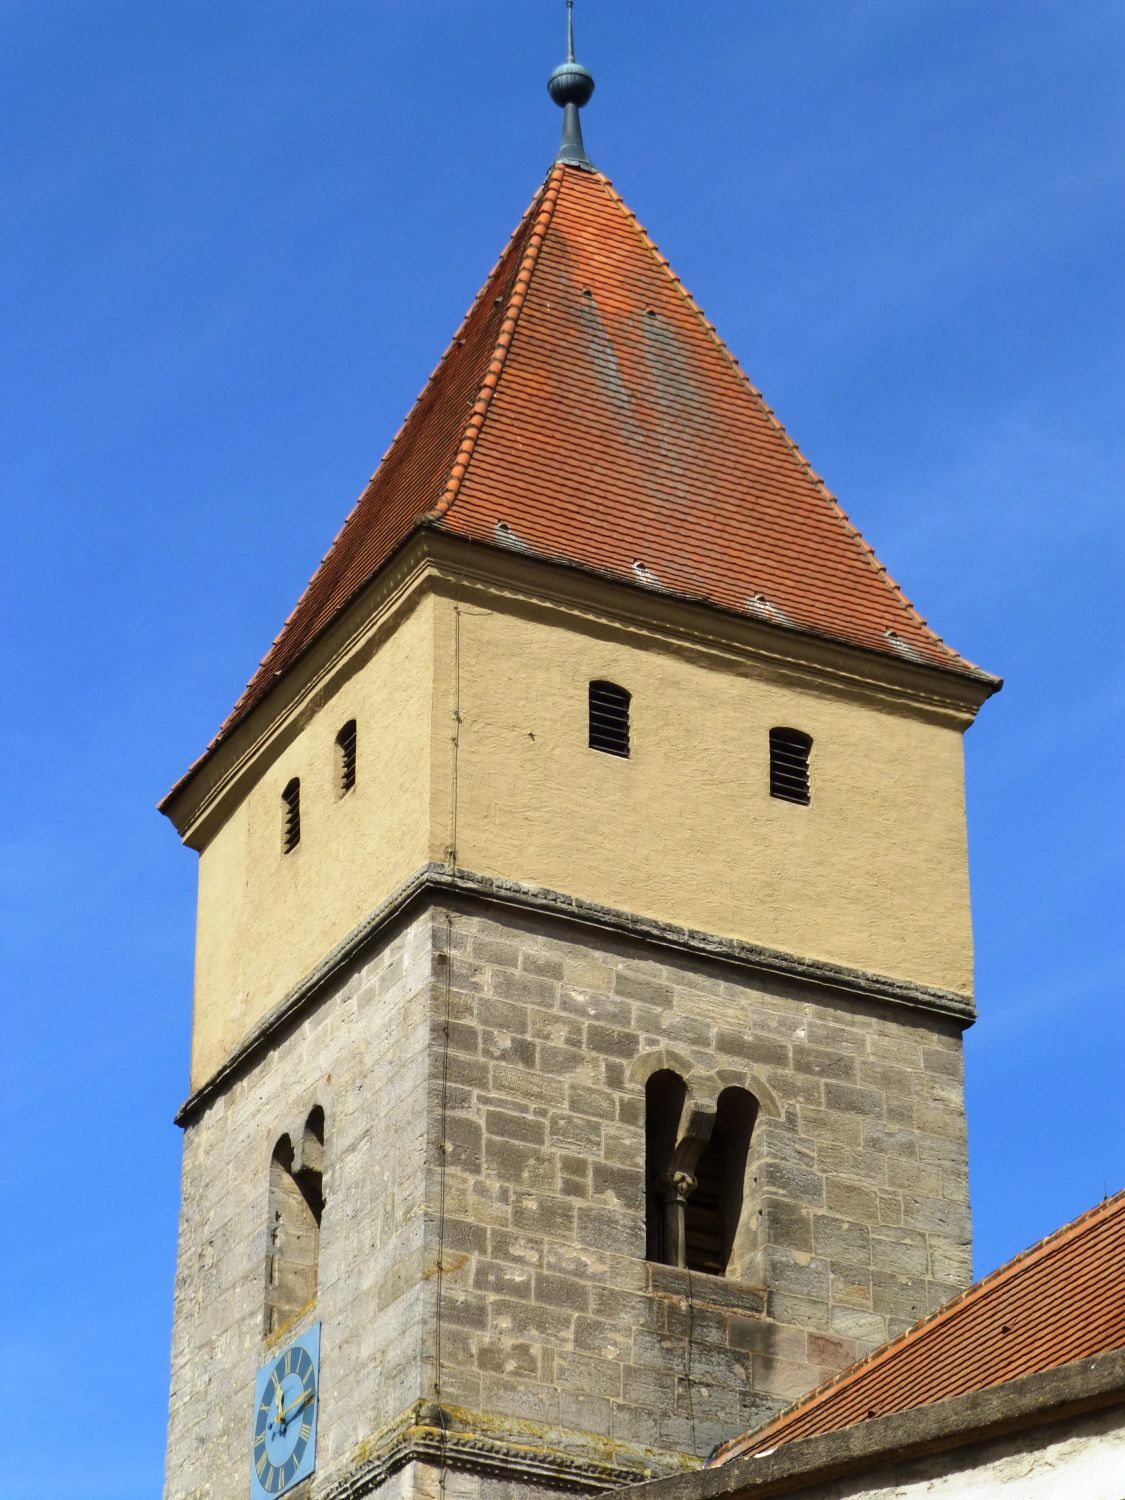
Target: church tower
[{"x": 583, "y": 936}]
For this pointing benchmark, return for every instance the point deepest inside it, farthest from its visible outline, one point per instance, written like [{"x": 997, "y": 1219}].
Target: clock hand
[{"x": 304, "y": 1399}]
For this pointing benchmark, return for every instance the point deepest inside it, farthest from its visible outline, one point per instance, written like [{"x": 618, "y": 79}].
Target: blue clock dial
[{"x": 285, "y": 1410}]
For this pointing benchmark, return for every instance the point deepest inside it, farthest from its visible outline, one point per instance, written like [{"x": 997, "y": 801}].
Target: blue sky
[{"x": 236, "y": 236}]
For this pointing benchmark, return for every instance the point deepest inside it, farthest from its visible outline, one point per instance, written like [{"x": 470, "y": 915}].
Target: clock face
[{"x": 285, "y": 1410}]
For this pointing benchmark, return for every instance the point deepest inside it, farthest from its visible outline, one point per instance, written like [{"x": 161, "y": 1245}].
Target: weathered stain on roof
[{"x": 1060, "y": 1301}]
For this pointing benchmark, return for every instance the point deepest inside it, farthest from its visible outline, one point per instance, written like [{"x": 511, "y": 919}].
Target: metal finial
[{"x": 571, "y": 86}]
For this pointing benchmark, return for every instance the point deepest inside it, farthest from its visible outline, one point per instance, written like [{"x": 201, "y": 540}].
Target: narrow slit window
[
  {"x": 345, "y": 759},
  {"x": 291, "y": 816},
  {"x": 609, "y": 718},
  {"x": 789, "y": 765}
]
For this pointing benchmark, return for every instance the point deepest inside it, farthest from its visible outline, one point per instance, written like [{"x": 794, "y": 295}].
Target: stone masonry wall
[
  {"x": 362, "y": 1054},
  {"x": 858, "y": 1165},
  {"x": 514, "y": 1155}
]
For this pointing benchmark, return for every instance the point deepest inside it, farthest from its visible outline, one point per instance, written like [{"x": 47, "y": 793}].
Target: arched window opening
[
  {"x": 714, "y": 1208},
  {"x": 789, "y": 765},
  {"x": 291, "y": 816},
  {"x": 609, "y": 719},
  {"x": 345, "y": 759},
  {"x": 695, "y": 1174},
  {"x": 665, "y": 1093},
  {"x": 296, "y": 1203}
]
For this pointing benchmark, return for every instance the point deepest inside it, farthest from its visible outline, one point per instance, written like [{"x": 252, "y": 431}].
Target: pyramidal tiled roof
[
  {"x": 1060, "y": 1301},
  {"x": 588, "y": 412}
]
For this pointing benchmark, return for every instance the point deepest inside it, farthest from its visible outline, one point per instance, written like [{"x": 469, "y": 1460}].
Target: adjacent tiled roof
[
  {"x": 1062, "y": 1300},
  {"x": 587, "y": 412}
]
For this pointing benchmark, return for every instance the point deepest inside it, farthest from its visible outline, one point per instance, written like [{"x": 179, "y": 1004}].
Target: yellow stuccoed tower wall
[{"x": 684, "y": 832}]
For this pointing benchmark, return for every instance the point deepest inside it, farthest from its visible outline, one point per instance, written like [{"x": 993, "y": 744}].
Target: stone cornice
[
  {"x": 435, "y": 882},
  {"x": 539, "y": 1455},
  {"x": 436, "y": 561}
]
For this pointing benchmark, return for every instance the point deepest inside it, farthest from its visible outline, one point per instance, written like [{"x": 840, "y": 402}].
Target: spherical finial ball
[{"x": 571, "y": 83}]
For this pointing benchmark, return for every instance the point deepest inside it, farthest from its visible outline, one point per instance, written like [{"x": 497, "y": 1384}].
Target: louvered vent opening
[
  {"x": 609, "y": 718},
  {"x": 704, "y": 1239},
  {"x": 789, "y": 765},
  {"x": 291, "y": 816},
  {"x": 345, "y": 759}
]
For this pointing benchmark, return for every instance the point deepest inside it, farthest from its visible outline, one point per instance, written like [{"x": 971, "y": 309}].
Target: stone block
[
  {"x": 561, "y": 1291},
  {"x": 786, "y": 1224},
  {"x": 593, "y": 1336},
  {"x": 796, "y": 1275},
  {"x": 520, "y": 1165},
  {"x": 555, "y": 1029},
  {"x": 841, "y": 1240},
  {"x": 515, "y": 1127},
  {"x": 518, "y": 1248},
  {"x": 499, "y": 1279},
  {"x": 525, "y": 988},
  {"x": 612, "y": 1041},
  {"x": 867, "y": 1329},
  {"x": 503, "y": 1015},
  {"x": 850, "y": 1286},
  {"x": 542, "y": 965},
  {"x": 617, "y": 1186},
  {"x": 840, "y": 1067},
  {"x": 807, "y": 1313},
  {"x": 543, "y": 1213},
  {"x": 798, "y": 1184},
  {"x": 576, "y": 1261},
  {"x": 549, "y": 1326},
  {"x": 594, "y": 1377},
  {"x": 898, "y": 1296},
  {"x": 855, "y": 1101},
  {"x": 752, "y": 1047},
  {"x": 851, "y": 1200},
  {"x": 509, "y": 1358},
  {"x": 610, "y": 1010},
  {"x": 599, "y": 1104},
  {"x": 632, "y": 986},
  {"x": 493, "y": 951}
]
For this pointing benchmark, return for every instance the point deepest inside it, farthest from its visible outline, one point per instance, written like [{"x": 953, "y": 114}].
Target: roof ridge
[
  {"x": 546, "y": 199},
  {"x": 1040, "y": 1250},
  {"x": 866, "y": 549}
]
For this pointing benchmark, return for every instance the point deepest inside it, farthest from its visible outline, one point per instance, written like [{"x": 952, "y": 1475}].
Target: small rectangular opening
[
  {"x": 291, "y": 816},
  {"x": 789, "y": 765},
  {"x": 609, "y": 718}
]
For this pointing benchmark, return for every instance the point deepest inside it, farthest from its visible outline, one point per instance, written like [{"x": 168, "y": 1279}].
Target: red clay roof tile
[
  {"x": 1062, "y": 1300},
  {"x": 609, "y": 427}
]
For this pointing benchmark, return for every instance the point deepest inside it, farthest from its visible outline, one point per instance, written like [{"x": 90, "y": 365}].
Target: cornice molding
[
  {"x": 437, "y": 882},
  {"x": 446, "y": 1436},
  {"x": 432, "y": 560}
]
